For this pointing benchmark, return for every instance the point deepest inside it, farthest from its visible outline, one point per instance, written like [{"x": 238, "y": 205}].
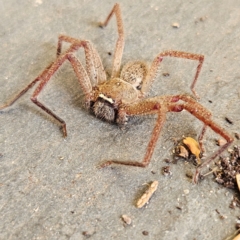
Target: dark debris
[
  {"x": 228, "y": 168},
  {"x": 166, "y": 171},
  {"x": 229, "y": 120},
  {"x": 145, "y": 233},
  {"x": 237, "y": 136},
  {"x": 166, "y": 74},
  {"x": 235, "y": 203}
]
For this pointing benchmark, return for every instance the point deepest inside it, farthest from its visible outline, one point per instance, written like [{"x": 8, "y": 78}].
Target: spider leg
[
  {"x": 120, "y": 41},
  {"x": 200, "y": 137},
  {"x": 144, "y": 107},
  {"x": 203, "y": 115},
  {"x": 23, "y": 91},
  {"x": 155, "y": 65},
  {"x": 162, "y": 105},
  {"x": 81, "y": 75},
  {"x": 94, "y": 67},
  {"x": 94, "y": 64}
]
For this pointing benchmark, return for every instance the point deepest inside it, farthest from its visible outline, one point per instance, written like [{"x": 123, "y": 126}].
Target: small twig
[
  {"x": 147, "y": 195},
  {"x": 233, "y": 235},
  {"x": 212, "y": 171}
]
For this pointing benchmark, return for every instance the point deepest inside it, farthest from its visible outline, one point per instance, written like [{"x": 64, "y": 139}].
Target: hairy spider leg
[
  {"x": 94, "y": 64},
  {"x": 80, "y": 73},
  {"x": 23, "y": 91},
  {"x": 178, "y": 54},
  {"x": 117, "y": 58},
  {"x": 143, "y": 107},
  {"x": 154, "y": 67},
  {"x": 162, "y": 105},
  {"x": 200, "y": 137}
]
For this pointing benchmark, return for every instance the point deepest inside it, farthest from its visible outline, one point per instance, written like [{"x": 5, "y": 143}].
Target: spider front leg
[
  {"x": 155, "y": 65},
  {"x": 162, "y": 105},
  {"x": 94, "y": 65},
  {"x": 144, "y": 107},
  {"x": 23, "y": 91},
  {"x": 81, "y": 74}
]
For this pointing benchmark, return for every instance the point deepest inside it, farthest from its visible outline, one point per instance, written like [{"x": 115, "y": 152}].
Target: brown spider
[{"x": 123, "y": 96}]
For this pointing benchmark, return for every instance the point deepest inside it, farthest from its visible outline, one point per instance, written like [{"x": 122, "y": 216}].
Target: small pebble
[
  {"x": 126, "y": 219},
  {"x": 175, "y": 25},
  {"x": 221, "y": 142},
  {"x": 166, "y": 74},
  {"x": 145, "y": 233},
  {"x": 186, "y": 191},
  {"x": 237, "y": 136}
]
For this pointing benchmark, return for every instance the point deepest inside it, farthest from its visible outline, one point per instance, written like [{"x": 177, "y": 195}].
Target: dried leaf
[
  {"x": 183, "y": 152},
  {"x": 194, "y": 147}
]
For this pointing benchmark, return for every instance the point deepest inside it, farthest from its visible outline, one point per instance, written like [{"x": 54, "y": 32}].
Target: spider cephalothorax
[
  {"x": 124, "y": 95},
  {"x": 112, "y": 94}
]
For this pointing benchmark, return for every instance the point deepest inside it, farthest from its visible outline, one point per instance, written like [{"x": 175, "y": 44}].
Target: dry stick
[{"x": 147, "y": 195}]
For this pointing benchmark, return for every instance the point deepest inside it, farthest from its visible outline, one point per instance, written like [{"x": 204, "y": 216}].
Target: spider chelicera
[{"x": 124, "y": 94}]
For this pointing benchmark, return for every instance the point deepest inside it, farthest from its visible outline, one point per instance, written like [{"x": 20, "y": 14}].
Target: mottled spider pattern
[{"x": 125, "y": 93}]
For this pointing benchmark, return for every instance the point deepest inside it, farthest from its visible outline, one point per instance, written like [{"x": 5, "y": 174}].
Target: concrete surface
[{"x": 50, "y": 187}]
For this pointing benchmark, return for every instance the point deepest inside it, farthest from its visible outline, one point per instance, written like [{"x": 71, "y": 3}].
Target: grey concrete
[{"x": 50, "y": 187}]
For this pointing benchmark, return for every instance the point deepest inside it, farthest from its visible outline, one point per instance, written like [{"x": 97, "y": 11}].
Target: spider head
[{"x": 103, "y": 108}]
